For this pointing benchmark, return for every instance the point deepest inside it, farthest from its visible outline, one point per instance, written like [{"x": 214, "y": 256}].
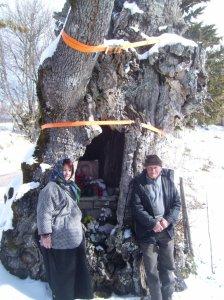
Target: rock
[{"x": 123, "y": 282}]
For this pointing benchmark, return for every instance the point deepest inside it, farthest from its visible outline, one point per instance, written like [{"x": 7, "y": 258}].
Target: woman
[{"x": 61, "y": 235}]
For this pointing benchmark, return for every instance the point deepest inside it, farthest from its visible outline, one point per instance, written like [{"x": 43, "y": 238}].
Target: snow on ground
[
  {"x": 11, "y": 154},
  {"x": 197, "y": 156},
  {"x": 13, "y": 288},
  {"x": 14, "y": 149}
]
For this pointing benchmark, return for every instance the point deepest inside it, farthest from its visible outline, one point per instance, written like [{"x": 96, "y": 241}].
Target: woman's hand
[{"x": 45, "y": 241}]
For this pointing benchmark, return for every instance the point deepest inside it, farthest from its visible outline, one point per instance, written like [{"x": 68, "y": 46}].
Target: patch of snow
[
  {"x": 165, "y": 39},
  {"x": 114, "y": 42},
  {"x": 133, "y": 7},
  {"x": 26, "y": 187},
  {"x": 135, "y": 28},
  {"x": 49, "y": 51},
  {"x": 14, "y": 148},
  {"x": 45, "y": 167},
  {"x": 15, "y": 184},
  {"x": 19, "y": 189},
  {"x": 12, "y": 288},
  {"x": 2, "y": 192},
  {"x": 6, "y": 213},
  {"x": 143, "y": 56},
  {"x": 127, "y": 234},
  {"x": 99, "y": 248},
  {"x": 145, "y": 36},
  {"x": 171, "y": 39},
  {"x": 6, "y": 126},
  {"x": 113, "y": 231},
  {"x": 161, "y": 28},
  {"x": 127, "y": 68},
  {"x": 205, "y": 289},
  {"x": 29, "y": 159}
]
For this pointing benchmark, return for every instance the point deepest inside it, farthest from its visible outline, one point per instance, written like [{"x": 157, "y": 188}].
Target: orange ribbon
[
  {"x": 78, "y": 46},
  {"x": 101, "y": 123}
]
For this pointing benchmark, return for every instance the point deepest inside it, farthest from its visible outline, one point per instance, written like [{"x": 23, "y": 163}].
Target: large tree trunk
[
  {"x": 162, "y": 87},
  {"x": 63, "y": 80}
]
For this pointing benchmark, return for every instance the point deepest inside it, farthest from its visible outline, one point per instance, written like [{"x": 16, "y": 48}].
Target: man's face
[{"x": 153, "y": 171}]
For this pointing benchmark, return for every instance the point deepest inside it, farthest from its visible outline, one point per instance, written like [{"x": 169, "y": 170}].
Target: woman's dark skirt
[{"x": 67, "y": 273}]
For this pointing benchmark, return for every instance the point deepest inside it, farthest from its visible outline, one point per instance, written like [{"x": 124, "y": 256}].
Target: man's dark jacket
[{"x": 142, "y": 211}]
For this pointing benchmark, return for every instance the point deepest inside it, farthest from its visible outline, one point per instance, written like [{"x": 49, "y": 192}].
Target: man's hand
[
  {"x": 164, "y": 223},
  {"x": 45, "y": 241},
  {"x": 158, "y": 227}
]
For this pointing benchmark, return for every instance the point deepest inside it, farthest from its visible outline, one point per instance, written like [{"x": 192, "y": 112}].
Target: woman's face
[{"x": 67, "y": 172}]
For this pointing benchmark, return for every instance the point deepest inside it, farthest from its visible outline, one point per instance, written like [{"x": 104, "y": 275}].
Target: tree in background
[
  {"x": 25, "y": 31},
  {"x": 208, "y": 37}
]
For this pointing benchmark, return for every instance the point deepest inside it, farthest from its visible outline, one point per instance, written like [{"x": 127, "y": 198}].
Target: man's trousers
[{"x": 158, "y": 259}]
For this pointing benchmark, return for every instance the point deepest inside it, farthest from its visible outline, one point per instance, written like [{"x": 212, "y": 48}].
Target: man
[{"x": 155, "y": 207}]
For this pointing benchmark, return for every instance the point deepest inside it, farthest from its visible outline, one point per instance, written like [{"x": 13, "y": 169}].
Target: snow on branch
[
  {"x": 166, "y": 39},
  {"x": 49, "y": 51},
  {"x": 171, "y": 39},
  {"x": 133, "y": 7}
]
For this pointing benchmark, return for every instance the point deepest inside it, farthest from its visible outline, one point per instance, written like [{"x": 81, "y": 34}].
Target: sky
[{"x": 213, "y": 14}]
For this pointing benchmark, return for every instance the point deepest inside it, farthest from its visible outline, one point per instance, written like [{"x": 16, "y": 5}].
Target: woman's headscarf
[{"x": 68, "y": 185}]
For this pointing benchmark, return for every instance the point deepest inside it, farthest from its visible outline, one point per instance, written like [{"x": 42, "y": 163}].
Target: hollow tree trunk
[{"x": 157, "y": 87}]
